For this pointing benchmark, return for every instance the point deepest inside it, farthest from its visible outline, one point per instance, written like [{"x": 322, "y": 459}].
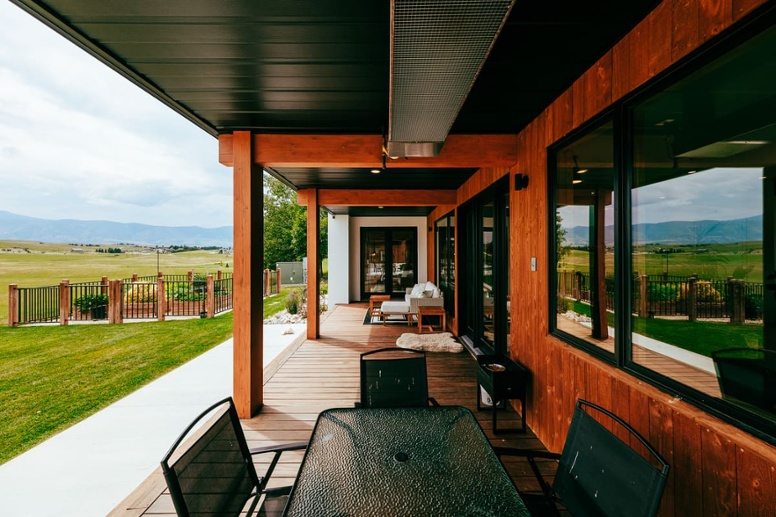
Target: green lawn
[
  {"x": 701, "y": 337},
  {"x": 53, "y": 377}
]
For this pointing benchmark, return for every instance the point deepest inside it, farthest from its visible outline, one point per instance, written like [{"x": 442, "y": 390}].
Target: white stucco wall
[
  {"x": 339, "y": 253},
  {"x": 354, "y": 263}
]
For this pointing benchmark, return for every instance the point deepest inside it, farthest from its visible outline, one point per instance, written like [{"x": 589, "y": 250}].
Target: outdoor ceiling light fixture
[
  {"x": 437, "y": 51},
  {"x": 577, "y": 173}
]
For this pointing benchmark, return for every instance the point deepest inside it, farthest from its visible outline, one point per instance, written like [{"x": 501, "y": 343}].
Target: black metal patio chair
[
  {"x": 598, "y": 474},
  {"x": 210, "y": 471},
  {"x": 394, "y": 377}
]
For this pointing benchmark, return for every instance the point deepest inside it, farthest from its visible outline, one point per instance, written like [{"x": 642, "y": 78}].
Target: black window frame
[{"x": 621, "y": 114}]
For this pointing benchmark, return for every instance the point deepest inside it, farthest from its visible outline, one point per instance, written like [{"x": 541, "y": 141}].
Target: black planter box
[
  {"x": 503, "y": 379},
  {"x": 747, "y": 375}
]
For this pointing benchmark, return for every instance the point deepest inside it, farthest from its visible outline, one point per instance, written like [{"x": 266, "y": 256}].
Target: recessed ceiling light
[
  {"x": 747, "y": 142},
  {"x": 582, "y": 171},
  {"x": 691, "y": 172},
  {"x": 575, "y": 182},
  {"x": 375, "y": 171}
]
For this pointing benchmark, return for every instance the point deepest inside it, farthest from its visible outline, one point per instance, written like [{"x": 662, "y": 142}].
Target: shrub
[
  {"x": 659, "y": 292},
  {"x": 140, "y": 293},
  {"x": 292, "y": 302},
  {"x": 704, "y": 292},
  {"x": 90, "y": 301}
]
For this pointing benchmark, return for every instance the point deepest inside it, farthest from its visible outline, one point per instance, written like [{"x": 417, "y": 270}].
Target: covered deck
[{"x": 324, "y": 373}]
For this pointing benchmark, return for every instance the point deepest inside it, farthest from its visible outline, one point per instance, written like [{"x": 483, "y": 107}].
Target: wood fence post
[
  {"x": 736, "y": 291},
  {"x": 161, "y": 303},
  {"x": 13, "y": 305},
  {"x": 64, "y": 302},
  {"x": 279, "y": 281},
  {"x": 266, "y": 283},
  {"x": 692, "y": 298},
  {"x": 115, "y": 301},
  {"x": 218, "y": 275},
  {"x": 643, "y": 293},
  {"x": 210, "y": 299},
  {"x": 134, "y": 277},
  {"x": 104, "y": 285},
  {"x": 190, "y": 276}
]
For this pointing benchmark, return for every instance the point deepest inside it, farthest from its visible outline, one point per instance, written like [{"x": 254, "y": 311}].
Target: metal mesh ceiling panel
[{"x": 437, "y": 51}]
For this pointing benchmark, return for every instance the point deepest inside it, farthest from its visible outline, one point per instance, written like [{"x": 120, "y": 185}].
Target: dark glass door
[
  {"x": 389, "y": 258},
  {"x": 485, "y": 265}
]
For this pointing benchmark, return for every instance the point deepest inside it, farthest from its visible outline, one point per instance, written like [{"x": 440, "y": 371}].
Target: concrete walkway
[{"x": 89, "y": 468}]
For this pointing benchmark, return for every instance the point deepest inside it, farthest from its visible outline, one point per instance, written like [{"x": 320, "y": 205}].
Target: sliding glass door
[
  {"x": 389, "y": 258},
  {"x": 484, "y": 250}
]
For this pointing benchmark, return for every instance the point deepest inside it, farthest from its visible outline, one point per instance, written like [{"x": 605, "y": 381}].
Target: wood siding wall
[{"x": 717, "y": 469}]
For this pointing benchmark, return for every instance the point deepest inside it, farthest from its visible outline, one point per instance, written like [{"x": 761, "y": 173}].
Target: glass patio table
[{"x": 401, "y": 461}]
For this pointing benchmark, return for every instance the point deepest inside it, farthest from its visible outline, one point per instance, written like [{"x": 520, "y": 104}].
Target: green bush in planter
[{"x": 90, "y": 301}]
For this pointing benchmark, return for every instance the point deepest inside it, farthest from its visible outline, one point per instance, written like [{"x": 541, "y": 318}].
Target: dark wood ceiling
[{"x": 322, "y": 66}]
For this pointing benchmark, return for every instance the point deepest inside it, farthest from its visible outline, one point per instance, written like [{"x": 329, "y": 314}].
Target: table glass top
[{"x": 402, "y": 461}]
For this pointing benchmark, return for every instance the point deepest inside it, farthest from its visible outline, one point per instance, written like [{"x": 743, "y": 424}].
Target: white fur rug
[{"x": 444, "y": 342}]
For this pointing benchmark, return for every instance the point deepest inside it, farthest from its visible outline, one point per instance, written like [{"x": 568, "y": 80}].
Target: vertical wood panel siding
[{"x": 717, "y": 469}]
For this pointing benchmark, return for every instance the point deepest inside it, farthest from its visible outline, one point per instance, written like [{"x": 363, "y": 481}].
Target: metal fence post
[
  {"x": 64, "y": 302},
  {"x": 13, "y": 305}
]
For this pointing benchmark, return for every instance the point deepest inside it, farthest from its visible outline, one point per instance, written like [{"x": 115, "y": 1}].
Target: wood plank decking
[{"x": 323, "y": 374}]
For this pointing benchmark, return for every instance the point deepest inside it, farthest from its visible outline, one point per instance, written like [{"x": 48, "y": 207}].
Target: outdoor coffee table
[
  {"x": 427, "y": 461},
  {"x": 375, "y": 301},
  {"x": 438, "y": 312}
]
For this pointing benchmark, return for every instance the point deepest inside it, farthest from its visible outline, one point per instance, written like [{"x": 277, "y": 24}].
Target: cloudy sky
[{"x": 78, "y": 141}]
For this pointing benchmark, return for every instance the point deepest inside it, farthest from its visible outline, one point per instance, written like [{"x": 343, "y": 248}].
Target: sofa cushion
[{"x": 417, "y": 290}]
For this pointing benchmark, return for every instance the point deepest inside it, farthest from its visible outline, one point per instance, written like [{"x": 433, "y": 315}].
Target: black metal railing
[{"x": 38, "y": 304}]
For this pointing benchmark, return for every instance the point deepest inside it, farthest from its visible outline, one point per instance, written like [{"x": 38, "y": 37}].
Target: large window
[
  {"x": 695, "y": 226},
  {"x": 584, "y": 221}
]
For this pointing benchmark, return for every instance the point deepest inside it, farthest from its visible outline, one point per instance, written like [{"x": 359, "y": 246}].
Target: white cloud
[{"x": 79, "y": 141}]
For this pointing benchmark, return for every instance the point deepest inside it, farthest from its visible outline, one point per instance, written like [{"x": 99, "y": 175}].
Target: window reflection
[
  {"x": 585, "y": 238},
  {"x": 703, "y": 230}
]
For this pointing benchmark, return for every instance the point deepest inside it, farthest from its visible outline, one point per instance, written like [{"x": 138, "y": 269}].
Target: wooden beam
[
  {"x": 248, "y": 326},
  {"x": 384, "y": 197},
  {"x": 459, "y": 151},
  {"x": 313, "y": 246}
]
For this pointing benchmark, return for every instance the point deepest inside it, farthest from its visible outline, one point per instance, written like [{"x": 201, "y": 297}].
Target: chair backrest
[
  {"x": 211, "y": 473},
  {"x": 394, "y": 377},
  {"x": 601, "y": 475}
]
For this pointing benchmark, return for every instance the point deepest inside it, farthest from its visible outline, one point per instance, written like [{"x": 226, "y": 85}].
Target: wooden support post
[
  {"x": 210, "y": 298},
  {"x": 277, "y": 272},
  {"x": 644, "y": 294},
  {"x": 248, "y": 376},
  {"x": 313, "y": 263},
  {"x": 115, "y": 301},
  {"x": 692, "y": 298},
  {"x": 267, "y": 283},
  {"x": 161, "y": 302},
  {"x": 64, "y": 302},
  {"x": 736, "y": 291},
  {"x": 104, "y": 285},
  {"x": 190, "y": 276},
  {"x": 134, "y": 277},
  {"x": 218, "y": 274},
  {"x": 13, "y": 305}
]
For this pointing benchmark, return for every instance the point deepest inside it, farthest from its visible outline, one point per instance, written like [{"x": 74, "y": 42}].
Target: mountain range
[
  {"x": 20, "y": 227},
  {"x": 679, "y": 232}
]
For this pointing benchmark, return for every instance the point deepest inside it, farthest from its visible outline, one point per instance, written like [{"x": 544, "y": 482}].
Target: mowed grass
[
  {"x": 49, "y": 264},
  {"x": 743, "y": 261},
  {"x": 54, "y": 376}
]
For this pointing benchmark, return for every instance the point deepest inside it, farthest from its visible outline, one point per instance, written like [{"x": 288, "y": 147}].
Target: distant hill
[
  {"x": 680, "y": 232},
  {"x": 19, "y": 227}
]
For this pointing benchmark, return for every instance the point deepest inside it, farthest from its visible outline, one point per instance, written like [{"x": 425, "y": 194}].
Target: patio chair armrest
[
  {"x": 526, "y": 453},
  {"x": 276, "y": 450},
  {"x": 294, "y": 446},
  {"x": 532, "y": 455}
]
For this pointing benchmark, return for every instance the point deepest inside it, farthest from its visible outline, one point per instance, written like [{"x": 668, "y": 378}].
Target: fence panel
[
  {"x": 184, "y": 297},
  {"x": 38, "y": 304},
  {"x": 140, "y": 300},
  {"x": 222, "y": 291},
  {"x": 88, "y": 301}
]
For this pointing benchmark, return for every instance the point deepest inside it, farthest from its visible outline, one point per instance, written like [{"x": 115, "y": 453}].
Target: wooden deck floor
[{"x": 323, "y": 374}]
